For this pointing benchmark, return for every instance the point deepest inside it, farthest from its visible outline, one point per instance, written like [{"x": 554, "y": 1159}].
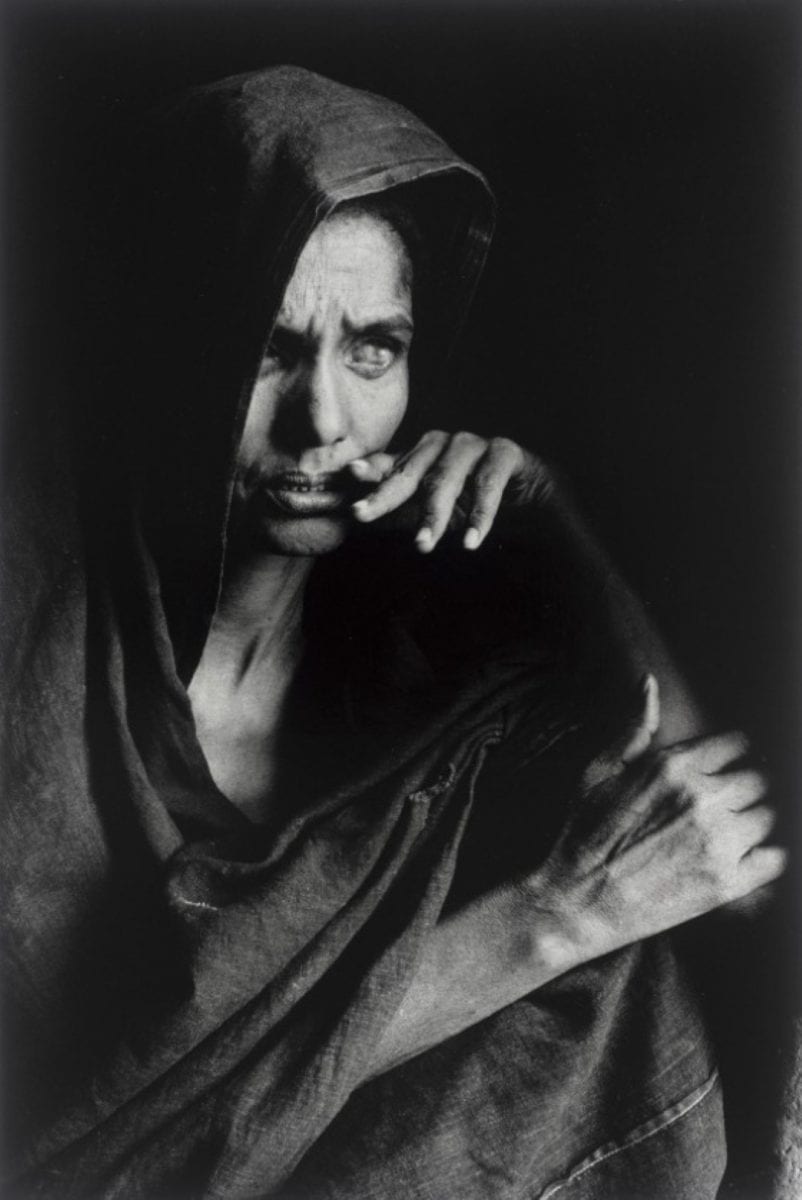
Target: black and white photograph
[{"x": 400, "y": 600}]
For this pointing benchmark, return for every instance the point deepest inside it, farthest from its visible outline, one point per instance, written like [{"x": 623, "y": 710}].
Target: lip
[
  {"x": 307, "y": 503},
  {"x": 305, "y": 495},
  {"x": 298, "y": 481}
]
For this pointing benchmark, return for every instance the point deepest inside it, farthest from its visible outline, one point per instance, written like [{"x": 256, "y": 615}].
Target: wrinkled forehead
[{"x": 353, "y": 261}]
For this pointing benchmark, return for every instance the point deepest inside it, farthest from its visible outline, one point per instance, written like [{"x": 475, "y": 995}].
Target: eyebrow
[
  {"x": 393, "y": 325},
  {"x": 397, "y": 323}
]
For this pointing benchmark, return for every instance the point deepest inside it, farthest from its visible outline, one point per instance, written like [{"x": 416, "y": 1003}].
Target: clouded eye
[{"x": 372, "y": 358}]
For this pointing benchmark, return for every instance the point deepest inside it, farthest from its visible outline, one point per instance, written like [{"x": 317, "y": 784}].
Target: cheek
[
  {"x": 258, "y": 420},
  {"x": 383, "y": 414}
]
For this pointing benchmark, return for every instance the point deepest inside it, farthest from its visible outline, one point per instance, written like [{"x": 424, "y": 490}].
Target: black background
[{"x": 638, "y": 322}]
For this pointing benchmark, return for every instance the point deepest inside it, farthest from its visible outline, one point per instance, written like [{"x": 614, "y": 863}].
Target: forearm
[
  {"x": 629, "y": 863},
  {"x": 512, "y": 942},
  {"x": 476, "y": 962}
]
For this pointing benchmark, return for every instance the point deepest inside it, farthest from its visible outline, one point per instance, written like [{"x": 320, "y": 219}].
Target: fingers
[
  {"x": 756, "y": 825},
  {"x": 501, "y": 461},
  {"x": 726, "y": 801},
  {"x": 404, "y": 478},
  {"x": 444, "y": 484},
  {"x": 438, "y": 471},
  {"x": 762, "y": 865},
  {"x": 373, "y": 468},
  {"x": 732, "y": 835},
  {"x": 720, "y": 752},
  {"x": 739, "y": 790},
  {"x": 710, "y": 755}
]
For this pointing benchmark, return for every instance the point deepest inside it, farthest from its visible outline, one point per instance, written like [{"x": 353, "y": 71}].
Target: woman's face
[{"x": 333, "y": 386}]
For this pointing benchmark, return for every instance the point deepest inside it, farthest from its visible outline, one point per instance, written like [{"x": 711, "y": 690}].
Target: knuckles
[
  {"x": 739, "y": 743},
  {"x": 504, "y": 447},
  {"x": 465, "y": 440},
  {"x": 433, "y": 437},
  {"x": 673, "y": 768},
  {"x": 688, "y": 829},
  {"x": 433, "y": 481},
  {"x": 755, "y": 783},
  {"x": 762, "y": 819},
  {"x": 495, "y": 459}
]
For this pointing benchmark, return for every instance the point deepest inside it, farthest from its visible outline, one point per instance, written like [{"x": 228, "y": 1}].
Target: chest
[{"x": 245, "y": 731}]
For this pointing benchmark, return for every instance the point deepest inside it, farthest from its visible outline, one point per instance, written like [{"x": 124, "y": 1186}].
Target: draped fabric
[{"x": 193, "y": 1001}]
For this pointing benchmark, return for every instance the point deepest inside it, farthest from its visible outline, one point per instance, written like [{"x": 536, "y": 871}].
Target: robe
[{"x": 193, "y": 1001}]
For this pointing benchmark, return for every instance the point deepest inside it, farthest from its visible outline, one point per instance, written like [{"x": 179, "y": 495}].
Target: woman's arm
[
  {"x": 655, "y": 839},
  {"x": 668, "y": 824},
  {"x": 462, "y": 479},
  {"x": 623, "y": 619}
]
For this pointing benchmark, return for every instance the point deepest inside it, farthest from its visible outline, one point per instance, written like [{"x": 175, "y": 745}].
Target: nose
[{"x": 316, "y": 409}]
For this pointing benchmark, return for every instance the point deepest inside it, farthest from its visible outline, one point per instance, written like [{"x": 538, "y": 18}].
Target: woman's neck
[
  {"x": 249, "y": 663},
  {"x": 258, "y": 617}
]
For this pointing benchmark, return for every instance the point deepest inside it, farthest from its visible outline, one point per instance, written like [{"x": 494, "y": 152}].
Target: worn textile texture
[
  {"x": 192, "y": 1000},
  {"x": 789, "y": 1142}
]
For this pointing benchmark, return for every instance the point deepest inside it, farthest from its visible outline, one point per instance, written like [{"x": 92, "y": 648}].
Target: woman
[{"x": 358, "y": 814}]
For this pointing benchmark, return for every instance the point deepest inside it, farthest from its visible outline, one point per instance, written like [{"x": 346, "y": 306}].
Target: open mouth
[
  {"x": 301, "y": 495},
  {"x": 296, "y": 481}
]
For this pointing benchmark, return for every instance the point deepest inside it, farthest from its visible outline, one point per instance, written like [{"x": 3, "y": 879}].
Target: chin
[{"x": 301, "y": 535}]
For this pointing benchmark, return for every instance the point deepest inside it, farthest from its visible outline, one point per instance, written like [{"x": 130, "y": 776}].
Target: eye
[
  {"x": 281, "y": 353},
  {"x": 373, "y": 357},
  {"x": 272, "y": 360},
  {"x": 268, "y": 364}
]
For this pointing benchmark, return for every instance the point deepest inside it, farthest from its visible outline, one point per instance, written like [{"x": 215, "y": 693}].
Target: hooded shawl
[{"x": 193, "y": 1000}]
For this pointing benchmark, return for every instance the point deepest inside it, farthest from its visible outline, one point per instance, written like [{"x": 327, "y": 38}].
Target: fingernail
[
  {"x": 471, "y": 539},
  {"x": 424, "y": 540},
  {"x": 361, "y": 510},
  {"x": 359, "y": 465}
]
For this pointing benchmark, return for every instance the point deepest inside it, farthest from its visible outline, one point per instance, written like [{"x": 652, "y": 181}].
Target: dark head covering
[{"x": 231, "y": 181}]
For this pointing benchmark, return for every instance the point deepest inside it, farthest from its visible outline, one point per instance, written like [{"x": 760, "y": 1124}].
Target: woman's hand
[
  {"x": 451, "y": 476},
  {"x": 657, "y": 838}
]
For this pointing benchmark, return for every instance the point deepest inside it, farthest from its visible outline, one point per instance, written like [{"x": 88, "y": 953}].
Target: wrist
[
  {"x": 543, "y": 934},
  {"x": 569, "y": 928}
]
